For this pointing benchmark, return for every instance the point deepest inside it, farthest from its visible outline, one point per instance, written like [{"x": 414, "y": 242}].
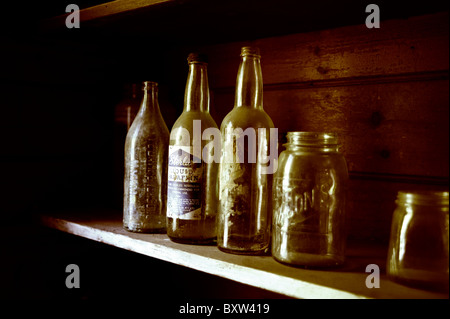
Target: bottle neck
[
  {"x": 149, "y": 97},
  {"x": 196, "y": 97},
  {"x": 249, "y": 83}
]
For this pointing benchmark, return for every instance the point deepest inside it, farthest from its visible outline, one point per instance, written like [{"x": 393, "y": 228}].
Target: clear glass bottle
[
  {"x": 309, "y": 198},
  {"x": 244, "y": 219},
  {"x": 192, "y": 197},
  {"x": 418, "y": 247},
  {"x": 145, "y": 178}
]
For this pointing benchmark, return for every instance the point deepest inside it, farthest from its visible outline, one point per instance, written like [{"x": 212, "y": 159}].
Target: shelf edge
[
  {"x": 246, "y": 275},
  {"x": 103, "y": 10}
]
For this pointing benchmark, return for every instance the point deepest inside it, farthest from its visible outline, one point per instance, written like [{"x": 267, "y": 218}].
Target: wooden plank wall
[{"x": 384, "y": 91}]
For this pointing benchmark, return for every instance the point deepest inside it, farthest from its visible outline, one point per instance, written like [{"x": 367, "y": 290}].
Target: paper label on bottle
[{"x": 184, "y": 194}]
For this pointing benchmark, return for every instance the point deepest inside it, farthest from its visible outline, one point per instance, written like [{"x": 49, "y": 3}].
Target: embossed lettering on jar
[{"x": 309, "y": 198}]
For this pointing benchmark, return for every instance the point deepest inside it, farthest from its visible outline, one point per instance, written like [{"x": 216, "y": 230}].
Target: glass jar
[
  {"x": 309, "y": 195},
  {"x": 418, "y": 247}
]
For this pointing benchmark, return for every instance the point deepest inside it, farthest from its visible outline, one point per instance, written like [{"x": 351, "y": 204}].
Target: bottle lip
[
  {"x": 425, "y": 198},
  {"x": 146, "y": 85},
  {"x": 312, "y": 138},
  {"x": 250, "y": 51},
  {"x": 195, "y": 57}
]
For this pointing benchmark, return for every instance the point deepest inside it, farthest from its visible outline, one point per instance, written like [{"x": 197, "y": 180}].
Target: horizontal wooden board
[
  {"x": 101, "y": 11},
  {"x": 415, "y": 45},
  {"x": 397, "y": 128},
  {"x": 371, "y": 203}
]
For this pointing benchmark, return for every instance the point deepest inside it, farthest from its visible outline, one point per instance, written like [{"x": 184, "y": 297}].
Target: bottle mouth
[
  {"x": 250, "y": 51},
  {"x": 195, "y": 57},
  {"x": 425, "y": 198},
  {"x": 312, "y": 138},
  {"x": 146, "y": 85}
]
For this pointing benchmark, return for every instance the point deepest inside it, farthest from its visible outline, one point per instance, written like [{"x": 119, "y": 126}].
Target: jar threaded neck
[
  {"x": 424, "y": 198},
  {"x": 320, "y": 139}
]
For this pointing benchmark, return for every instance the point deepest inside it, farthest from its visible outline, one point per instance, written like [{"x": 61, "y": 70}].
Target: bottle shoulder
[
  {"x": 244, "y": 117},
  {"x": 186, "y": 120},
  {"x": 148, "y": 128}
]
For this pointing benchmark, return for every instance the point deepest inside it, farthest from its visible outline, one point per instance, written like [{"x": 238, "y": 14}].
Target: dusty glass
[
  {"x": 192, "y": 195},
  {"x": 309, "y": 200},
  {"x": 418, "y": 247},
  {"x": 244, "y": 220},
  {"x": 145, "y": 177}
]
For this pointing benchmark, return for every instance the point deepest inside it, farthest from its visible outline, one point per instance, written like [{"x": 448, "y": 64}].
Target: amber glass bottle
[
  {"x": 191, "y": 194},
  {"x": 244, "y": 218},
  {"x": 145, "y": 178}
]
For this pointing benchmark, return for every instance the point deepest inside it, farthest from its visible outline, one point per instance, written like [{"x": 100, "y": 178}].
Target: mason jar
[
  {"x": 309, "y": 201},
  {"x": 418, "y": 247}
]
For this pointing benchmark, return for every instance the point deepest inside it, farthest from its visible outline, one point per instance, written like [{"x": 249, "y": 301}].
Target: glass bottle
[
  {"x": 245, "y": 173},
  {"x": 418, "y": 247},
  {"x": 191, "y": 195},
  {"x": 145, "y": 178},
  {"x": 309, "y": 198}
]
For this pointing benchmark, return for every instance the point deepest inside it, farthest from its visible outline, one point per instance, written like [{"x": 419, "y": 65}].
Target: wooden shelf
[
  {"x": 191, "y": 22},
  {"x": 258, "y": 271},
  {"x": 101, "y": 11}
]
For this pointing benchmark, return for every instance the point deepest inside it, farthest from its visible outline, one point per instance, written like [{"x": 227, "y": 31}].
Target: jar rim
[
  {"x": 425, "y": 198},
  {"x": 312, "y": 138}
]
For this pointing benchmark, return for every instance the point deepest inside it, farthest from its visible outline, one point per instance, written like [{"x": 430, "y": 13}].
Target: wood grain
[
  {"x": 393, "y": 128},
  {"x": 100, "y": 11},
  {"x": 371, "y": 203},
  {"x": 416, "y": 45}
]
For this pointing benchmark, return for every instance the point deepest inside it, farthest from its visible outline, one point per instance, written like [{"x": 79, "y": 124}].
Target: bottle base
[
  {"x": 194, "y": 241},
  {"x": 422, "y": 279},
  {"x": 245, "y": 252},
  {"x": 312, "y": 261},
  {"x": 145, "y": 230}
]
